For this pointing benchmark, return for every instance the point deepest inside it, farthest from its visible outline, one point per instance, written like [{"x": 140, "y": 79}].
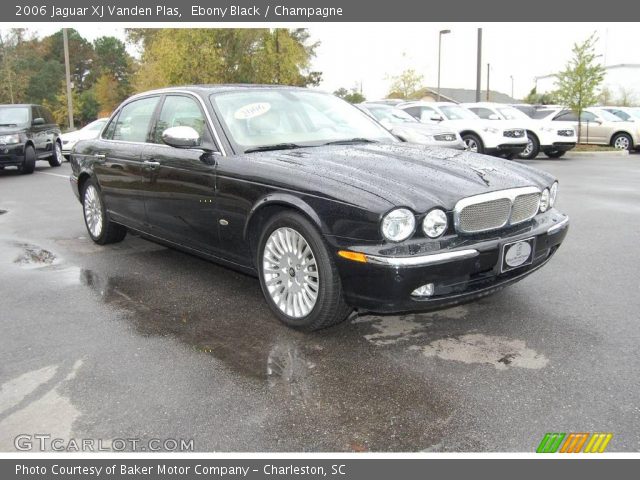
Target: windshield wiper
[
  {"x": 350, "y": 141},
  {"x": 8, "y": 124},
  {"x": 277, "y": 146}
]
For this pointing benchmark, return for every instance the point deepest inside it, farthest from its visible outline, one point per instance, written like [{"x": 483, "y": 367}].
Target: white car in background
[
  {"x": 599, "y": 127},
  {"x": 542, "y": 136},
  {"x": 89, "y": 131},
  {"x": 404, "y": 126},
  {"x": 506, "y": 139}
]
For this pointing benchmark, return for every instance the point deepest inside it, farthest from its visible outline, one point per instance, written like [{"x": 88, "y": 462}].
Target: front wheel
[
  {"x": 532, "y": 149},
  {"x": 101, "y": 229},
  {"x": 56, "y": 157},
  {"x": 29, "y": 163},
  {"x": 297, "y": 274},
  {"x": 473, "y": 143}
]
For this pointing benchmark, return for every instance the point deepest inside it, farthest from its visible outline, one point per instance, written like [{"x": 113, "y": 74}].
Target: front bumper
[
  {"x": 11, "y": 155},
  {"x": 508, "y": 148},
  {"x": 469, "y": 269},
  {"x": 559, "y": 146}
]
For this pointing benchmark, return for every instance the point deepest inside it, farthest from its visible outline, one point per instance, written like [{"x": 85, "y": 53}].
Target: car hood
[
  {"x": 423, "y": 128},
  {"x": 11, "y": 130},
  {"x": 77, "y": 135},
  {"x": 380, "y": 176}
]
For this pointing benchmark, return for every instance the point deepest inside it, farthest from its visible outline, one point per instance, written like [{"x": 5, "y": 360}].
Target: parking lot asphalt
[{"x": 136, "y": 340}]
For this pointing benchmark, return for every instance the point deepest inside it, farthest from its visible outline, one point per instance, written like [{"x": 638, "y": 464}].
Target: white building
[{"x": 621, "y": 80}]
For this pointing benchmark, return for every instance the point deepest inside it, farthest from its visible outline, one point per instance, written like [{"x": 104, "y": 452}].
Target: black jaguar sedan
[{"x": 325, "y": 206}]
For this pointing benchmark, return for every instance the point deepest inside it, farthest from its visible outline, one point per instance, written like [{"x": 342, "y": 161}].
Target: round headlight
[
  {"x": 398, "y": 224},
  {"x": 435, "y": 223},
  {"x": 553, "y": 194},
  {"x": 544, "y": 200}
]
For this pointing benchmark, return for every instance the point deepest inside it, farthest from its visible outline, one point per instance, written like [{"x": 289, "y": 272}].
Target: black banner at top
[{"x": 276, "y": 11}]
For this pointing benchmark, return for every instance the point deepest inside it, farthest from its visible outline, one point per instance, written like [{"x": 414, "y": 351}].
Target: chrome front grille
[
  {"x": 490, "y": 211},
  {"x": 514, "y": 133},
  {"x": 524, "y": 207}
]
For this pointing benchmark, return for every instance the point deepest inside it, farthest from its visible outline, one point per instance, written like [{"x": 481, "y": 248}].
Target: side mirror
[
  {"x": 436, "y": 118},
  {"x": 38, "y": 121},
  {"x": 493, "y": 116},
  {"x": 181, "y": 137}
]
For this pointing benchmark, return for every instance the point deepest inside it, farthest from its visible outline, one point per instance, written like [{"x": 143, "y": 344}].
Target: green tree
[
  {"x": 535, "y": 98},
  {"x": 351, "y": 96},
  {"x": 183, "y": 56},
  {"x": 578, "y": 84},
  {"x": 81, "y": 56},
  {"x": 406, "y": 84}
]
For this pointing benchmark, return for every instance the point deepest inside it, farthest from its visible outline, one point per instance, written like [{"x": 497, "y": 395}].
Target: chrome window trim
[
  {"x": 423, "y": 260},
  {"x": 167, "y": 92},
  {"x": 510, "y": 194}
]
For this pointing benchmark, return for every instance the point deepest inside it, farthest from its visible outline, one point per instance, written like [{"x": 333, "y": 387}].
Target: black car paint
[
  {"x": 41, "y": 137},
  {"x": 343, "y": 189}
]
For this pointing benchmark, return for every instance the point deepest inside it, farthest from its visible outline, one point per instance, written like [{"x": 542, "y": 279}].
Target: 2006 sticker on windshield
[{"x": 252, "y": 110}]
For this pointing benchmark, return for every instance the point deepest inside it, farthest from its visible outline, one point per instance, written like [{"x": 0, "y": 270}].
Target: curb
[{"x": 608, "y": 153}]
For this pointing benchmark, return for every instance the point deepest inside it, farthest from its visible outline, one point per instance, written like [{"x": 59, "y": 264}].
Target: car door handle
[
  {"x": 100, "y": 157},
  {"x": 151, "y": 163}
]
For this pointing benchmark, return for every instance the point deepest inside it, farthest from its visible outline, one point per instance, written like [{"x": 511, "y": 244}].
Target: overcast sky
[{"x": 371, "y": 53}]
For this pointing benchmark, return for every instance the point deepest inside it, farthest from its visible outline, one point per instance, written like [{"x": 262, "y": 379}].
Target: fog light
[{"x": 423, "y": 291}]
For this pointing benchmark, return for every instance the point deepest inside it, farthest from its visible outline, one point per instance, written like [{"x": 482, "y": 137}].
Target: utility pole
[
  {"x": 67, "y": 69},
  {"x": 442, "y": 32},
  {"x": 511, "y": 86},
  {"x": 479, "y": 66},
  {"x": 488, "y": 69}
]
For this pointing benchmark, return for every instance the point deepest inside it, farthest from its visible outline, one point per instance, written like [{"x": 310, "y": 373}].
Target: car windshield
[
  {"x": 454, "y": 112},
  {"x": 392, "y": 115},
  {"x": 287, "y": 118},
  {"x": 14, "y": 116},
  {"x": 510, "y": 113}
]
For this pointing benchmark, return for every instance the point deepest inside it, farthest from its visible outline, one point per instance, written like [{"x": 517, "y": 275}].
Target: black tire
[
  {"x": 330, "y": 307},
  {"x": 533, "y": 145},
  {"x": 471, "y": 139},
  {"x": 29, "y": 162},
  {"x": 109, "y": 232},
  {"x": 56, "y": 159},
  {"x": 619, "y": 141},
  {"x": 554, "y": 153}
]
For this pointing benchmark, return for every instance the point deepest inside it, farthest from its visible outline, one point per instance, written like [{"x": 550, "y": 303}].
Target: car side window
[
  {"x": 179, "y": 111},
  {"x": 48, "y": 117},
  {"x": 566, "y": 117},
  {"x": 426, "y": 113},
  {"x": 413, "y": 111},
  {"x": 587, "y": 117},
  {"x": 482, "y": 112},
  {"x": 35, "y": 113},
  {"x": 134, "y": 120}
]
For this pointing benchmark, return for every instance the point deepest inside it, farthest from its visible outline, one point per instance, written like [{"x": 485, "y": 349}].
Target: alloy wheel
[
  {"x": 93, "y": 211},
  {"x": 621, "y": 143},
  {"x": 290, "y": 272},
  {"x": 472, "y": 145}
]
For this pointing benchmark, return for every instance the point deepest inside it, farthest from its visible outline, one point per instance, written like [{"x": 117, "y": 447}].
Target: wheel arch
[
  {"x": 533, "y": 134},
  {"x": 621, "y": 132},
  {"x": 272, "y": 204}
]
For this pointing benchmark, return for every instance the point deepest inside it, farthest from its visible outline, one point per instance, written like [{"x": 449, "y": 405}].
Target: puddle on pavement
[
  {"x": 32, "y": 255},
  {"x": 501, "y": 352}
]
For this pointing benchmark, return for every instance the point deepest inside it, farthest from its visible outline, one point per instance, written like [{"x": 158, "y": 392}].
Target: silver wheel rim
[
  {"x": 621, "y": 143},
  {"x": 471, "y": 144},
  {"x": 93, "y": 211},
  {"x": 58, "y": 151},
  {"x": 528, "y": 149},
  {"x": 290, "y": 272}
]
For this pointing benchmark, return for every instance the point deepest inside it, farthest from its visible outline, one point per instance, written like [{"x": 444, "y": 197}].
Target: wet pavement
[{"x": 135, "y": 340}]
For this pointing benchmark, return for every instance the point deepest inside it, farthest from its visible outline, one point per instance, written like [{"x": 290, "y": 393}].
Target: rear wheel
[
  {"x": 473, "y": 143},
  {"x": 532, "y": 149},
  {"x": 29, "y": 162},
  {"x": 622, "y": 141},
  {"x": 101, "y": 229},
  {"x": 56, "y": 157},
  {"x": 554, "y": 153},
  {"x": 297, "y": 274}
]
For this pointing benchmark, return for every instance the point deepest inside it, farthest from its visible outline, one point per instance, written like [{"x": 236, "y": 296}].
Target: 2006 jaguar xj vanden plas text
[{"x": 323, "y": 204}]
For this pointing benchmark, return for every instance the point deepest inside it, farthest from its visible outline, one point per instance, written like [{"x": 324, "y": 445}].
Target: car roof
[
  {"x": 207, "y": 89},
  {"x": 20, "y": 105}
]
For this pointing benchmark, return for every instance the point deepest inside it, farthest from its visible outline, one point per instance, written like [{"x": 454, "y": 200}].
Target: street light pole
[
  {"x": 479, "y": 66},
  {"x": 442, "y": 32},
  {"x": 67, "y": 69},
  {"x": 511, "y": 76}
]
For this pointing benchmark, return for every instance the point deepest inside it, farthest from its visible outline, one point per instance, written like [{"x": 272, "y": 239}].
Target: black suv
[{"x": 28, "y": 133}]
